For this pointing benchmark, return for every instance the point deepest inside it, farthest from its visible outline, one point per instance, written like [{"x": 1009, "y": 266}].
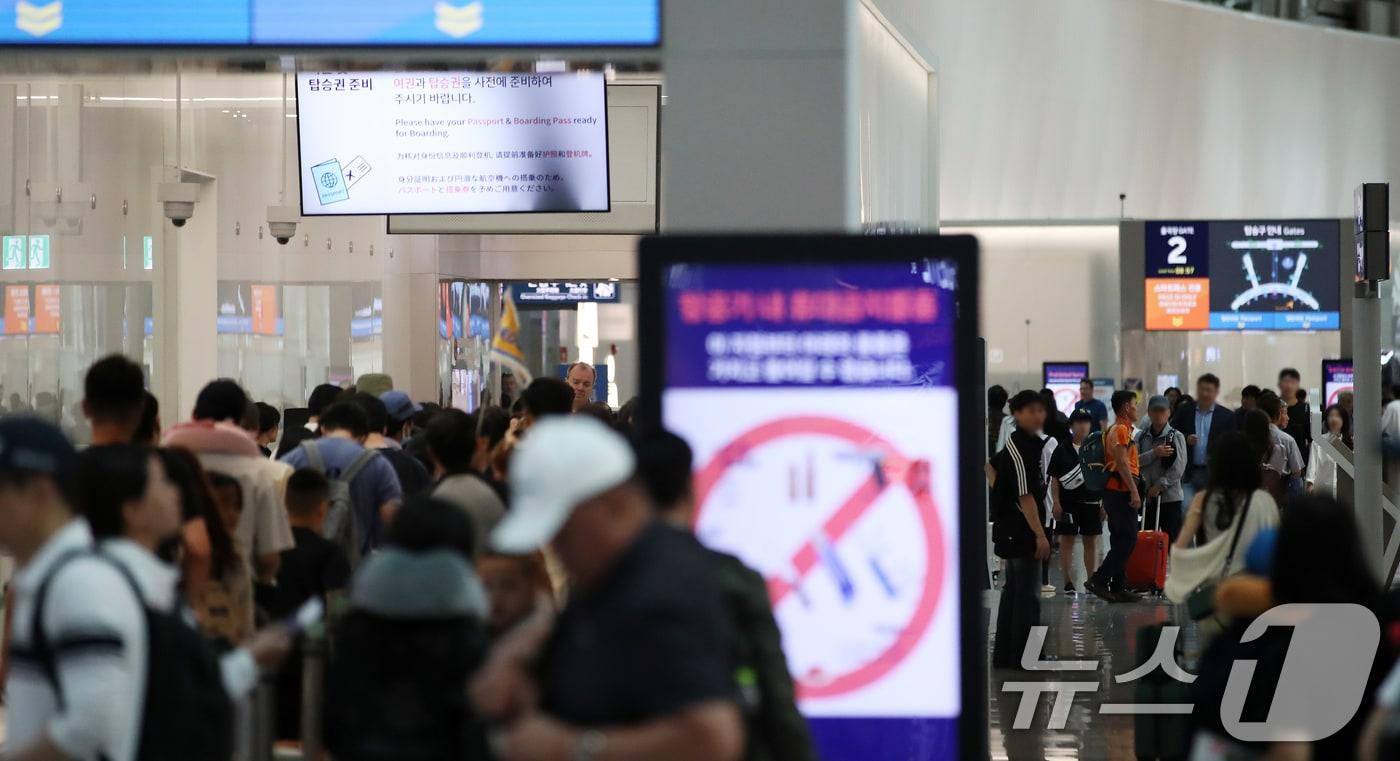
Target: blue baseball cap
[
  {"x": 31, "y": 445},
  {"x": 400, "y": 406}
]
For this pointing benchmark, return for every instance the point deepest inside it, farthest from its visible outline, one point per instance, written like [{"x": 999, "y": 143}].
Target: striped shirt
[
  {"x": 96, "y": 629},
  {"x": 1018, "y": 473},
  {"x": 96, "y": 633}
]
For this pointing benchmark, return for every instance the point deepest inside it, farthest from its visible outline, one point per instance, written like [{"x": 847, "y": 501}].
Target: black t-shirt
[
  {"x": 413, "y": 477},
  {"x": 312, "y": 568},
  {"x": 1017, "y": 474},
  {"x": 1300, "y": 427},
  {"x": 651, "y": 639},
  {"x": 1065, "y": 468}
]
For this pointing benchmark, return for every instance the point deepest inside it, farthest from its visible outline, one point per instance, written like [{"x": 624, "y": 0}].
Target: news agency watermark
[{"x": 1322, "y": 684}]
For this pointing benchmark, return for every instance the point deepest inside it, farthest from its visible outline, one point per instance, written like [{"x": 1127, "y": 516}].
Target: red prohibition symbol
[{"x": 893, "y": 470}]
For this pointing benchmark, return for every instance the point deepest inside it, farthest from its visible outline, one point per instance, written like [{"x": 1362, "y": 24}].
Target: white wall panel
[
  {"x": 894, "y": 134},
  {"x": 1049, "y": 110},
  {"x": 1064, "y": 281}
]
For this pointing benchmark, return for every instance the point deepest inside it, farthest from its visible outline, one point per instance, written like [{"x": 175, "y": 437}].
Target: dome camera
[
  {"x": 177, "y": 199},
  {"x": 179, "y": 213},
  {"x": 282, "y": 222}
]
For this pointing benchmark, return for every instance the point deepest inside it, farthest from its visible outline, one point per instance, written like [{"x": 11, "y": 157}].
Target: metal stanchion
[
  {"x": 312, "y": 684},
  {"x": 263, "y": 722}
]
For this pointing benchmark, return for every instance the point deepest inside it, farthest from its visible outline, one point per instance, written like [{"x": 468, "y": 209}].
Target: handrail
[{"x": 1390, "y": 498}]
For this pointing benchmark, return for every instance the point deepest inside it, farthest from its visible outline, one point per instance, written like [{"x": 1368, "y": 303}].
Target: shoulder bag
[{"x": 1200, "y": 604}]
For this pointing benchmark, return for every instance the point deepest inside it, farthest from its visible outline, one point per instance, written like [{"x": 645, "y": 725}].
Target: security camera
[
  {"x": 282, "y": 222},
  {"x": 177, "y": 198}
]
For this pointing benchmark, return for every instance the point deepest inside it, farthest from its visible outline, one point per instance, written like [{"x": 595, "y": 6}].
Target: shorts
[{"x": 1079, "y": 520}]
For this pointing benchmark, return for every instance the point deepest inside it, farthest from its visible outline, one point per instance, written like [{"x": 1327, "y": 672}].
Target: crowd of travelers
[
  {"x": 517, "y": 583},
  {"x": 1245, "y": 500},
  {"x": 521, "y": 583}
]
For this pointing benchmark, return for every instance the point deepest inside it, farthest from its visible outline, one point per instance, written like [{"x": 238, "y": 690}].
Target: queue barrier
[{"x": 255, "y": 717}]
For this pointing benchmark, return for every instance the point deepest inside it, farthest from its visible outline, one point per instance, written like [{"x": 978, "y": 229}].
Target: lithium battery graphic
[{"x": 865, "y": 559}]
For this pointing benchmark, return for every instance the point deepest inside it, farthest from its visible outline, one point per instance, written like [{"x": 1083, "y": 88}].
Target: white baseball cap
[{"x": 562, "y": 462}]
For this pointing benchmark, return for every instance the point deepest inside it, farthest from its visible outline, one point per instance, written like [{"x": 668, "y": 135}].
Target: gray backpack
[{"x": 342, "y": 526}]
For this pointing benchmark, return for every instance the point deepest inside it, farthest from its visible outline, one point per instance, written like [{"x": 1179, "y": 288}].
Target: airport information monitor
[
  {"x": 1243, "y": 275},
  {"x": 438, "y": 142},
  {"x": 318, "y": 23},
  {"x": 1338, "y": 377},
  {"x": 828, "y": 386},
  {"x": 1063, "y": 378}
]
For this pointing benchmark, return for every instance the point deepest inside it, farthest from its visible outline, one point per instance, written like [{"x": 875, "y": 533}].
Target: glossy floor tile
[{"x": 1081, "y": 628}]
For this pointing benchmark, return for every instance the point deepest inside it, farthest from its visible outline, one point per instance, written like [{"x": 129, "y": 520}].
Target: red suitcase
[{"x": 1147, "y": 566}]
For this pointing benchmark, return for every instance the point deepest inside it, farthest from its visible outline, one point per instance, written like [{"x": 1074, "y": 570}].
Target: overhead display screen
[
  {"x": 1243, "y": 275},
  {"x": 1063, "y": 379},
  {"x": 452, "y": 142},
  {"x": 844, "y": 367},
  {"x": 546, "y": 295},
  {"x": 312, "y": 23}
]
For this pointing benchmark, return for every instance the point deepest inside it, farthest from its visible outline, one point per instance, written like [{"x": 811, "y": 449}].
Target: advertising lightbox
[
  {"x": 1338, "y": 377},
  {"x": 1243, "y": 275},
  {"x": 1063, "y": 378},
  {"x": 452, "y": 142},
  {"x": 844, "y": 368}
]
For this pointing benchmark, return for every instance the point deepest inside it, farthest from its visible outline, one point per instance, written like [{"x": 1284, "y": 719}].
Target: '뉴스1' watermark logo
[{"x": 1320, "y": 688}]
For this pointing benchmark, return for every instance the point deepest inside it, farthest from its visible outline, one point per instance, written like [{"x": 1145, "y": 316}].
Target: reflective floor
[{"x": 1081, "y": 628}]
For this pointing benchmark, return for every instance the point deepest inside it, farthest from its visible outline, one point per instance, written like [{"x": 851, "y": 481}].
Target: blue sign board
[
  {"x": 1178, "y": 249},
  {"x": 312, "y": 23}
]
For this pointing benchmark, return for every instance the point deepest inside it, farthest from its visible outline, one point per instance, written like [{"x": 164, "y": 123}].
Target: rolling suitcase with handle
[{"x": 1147, "y": 566}]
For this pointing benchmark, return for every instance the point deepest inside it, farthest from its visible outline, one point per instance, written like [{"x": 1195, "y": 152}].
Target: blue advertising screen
[
  {"x": 1063, "y": 378},
  {"x": 1338, "y": 377},
  {"x": 1243, "y": 275},
  {"x": 310, "y": 23},
  {"x": 834, "y": 472}
]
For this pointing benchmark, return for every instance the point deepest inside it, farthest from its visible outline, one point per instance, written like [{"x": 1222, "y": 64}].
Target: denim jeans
[
  {"x": 1018, "y": 612},
  {"x": 1122, "y": 537}
]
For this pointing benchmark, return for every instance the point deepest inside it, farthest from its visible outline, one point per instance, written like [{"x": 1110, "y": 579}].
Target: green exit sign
[
  {"x": 26, "y": 252},
  {"x": 15, "y": 253},
  {"x": 40, "y": 254}
]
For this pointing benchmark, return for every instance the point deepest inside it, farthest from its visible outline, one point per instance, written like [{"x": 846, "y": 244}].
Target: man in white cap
[{"x": 637, "y": 664}]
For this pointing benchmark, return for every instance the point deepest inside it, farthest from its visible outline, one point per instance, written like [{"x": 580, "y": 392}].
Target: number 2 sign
[{"x": 1177, "y": 249}]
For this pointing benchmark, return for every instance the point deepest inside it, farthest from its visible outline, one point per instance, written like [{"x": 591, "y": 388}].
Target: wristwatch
[{"x": 590, "y": 745}]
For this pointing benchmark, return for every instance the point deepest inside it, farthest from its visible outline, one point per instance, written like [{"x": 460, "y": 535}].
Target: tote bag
[{"x": 1197, "y": 570}]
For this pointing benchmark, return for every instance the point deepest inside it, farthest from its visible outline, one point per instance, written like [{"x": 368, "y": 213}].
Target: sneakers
[
  {"x": 1069, "y": 587},
  {"x": 1098, "y": 590},
  {"x": 1048, "y": 590}
]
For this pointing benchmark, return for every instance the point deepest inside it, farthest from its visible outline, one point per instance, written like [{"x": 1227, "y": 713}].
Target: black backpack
[
  {"x": 395, "y": 689},
  {"x": 187, "y": 714}
]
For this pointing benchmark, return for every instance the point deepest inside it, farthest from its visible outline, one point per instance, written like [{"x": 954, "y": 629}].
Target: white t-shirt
[
  {"x": 1263, "y": 513},
  {"x": 96, "y": 629}
]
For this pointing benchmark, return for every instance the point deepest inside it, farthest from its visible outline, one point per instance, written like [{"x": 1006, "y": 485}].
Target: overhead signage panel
[
  {"x": 316, "y": 23},
  {"x": 1243, "y": 275},
  {"x": 457, "y": 142}
]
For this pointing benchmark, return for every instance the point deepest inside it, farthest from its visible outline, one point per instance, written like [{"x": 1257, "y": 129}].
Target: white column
[
  {"x": 186, "y": 279},
  {"x": 757, "y": 130},
  {"x": 410, "y": 316}
]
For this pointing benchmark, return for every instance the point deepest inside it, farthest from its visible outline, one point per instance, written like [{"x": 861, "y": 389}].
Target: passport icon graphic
[{"x": 329, "y": 182}]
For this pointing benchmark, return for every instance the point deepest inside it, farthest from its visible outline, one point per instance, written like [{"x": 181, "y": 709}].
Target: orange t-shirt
[{"x": 1121, "y": 436}]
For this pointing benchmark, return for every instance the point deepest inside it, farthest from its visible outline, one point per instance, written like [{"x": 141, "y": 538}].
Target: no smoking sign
[{"x": 847, "y": 535}]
